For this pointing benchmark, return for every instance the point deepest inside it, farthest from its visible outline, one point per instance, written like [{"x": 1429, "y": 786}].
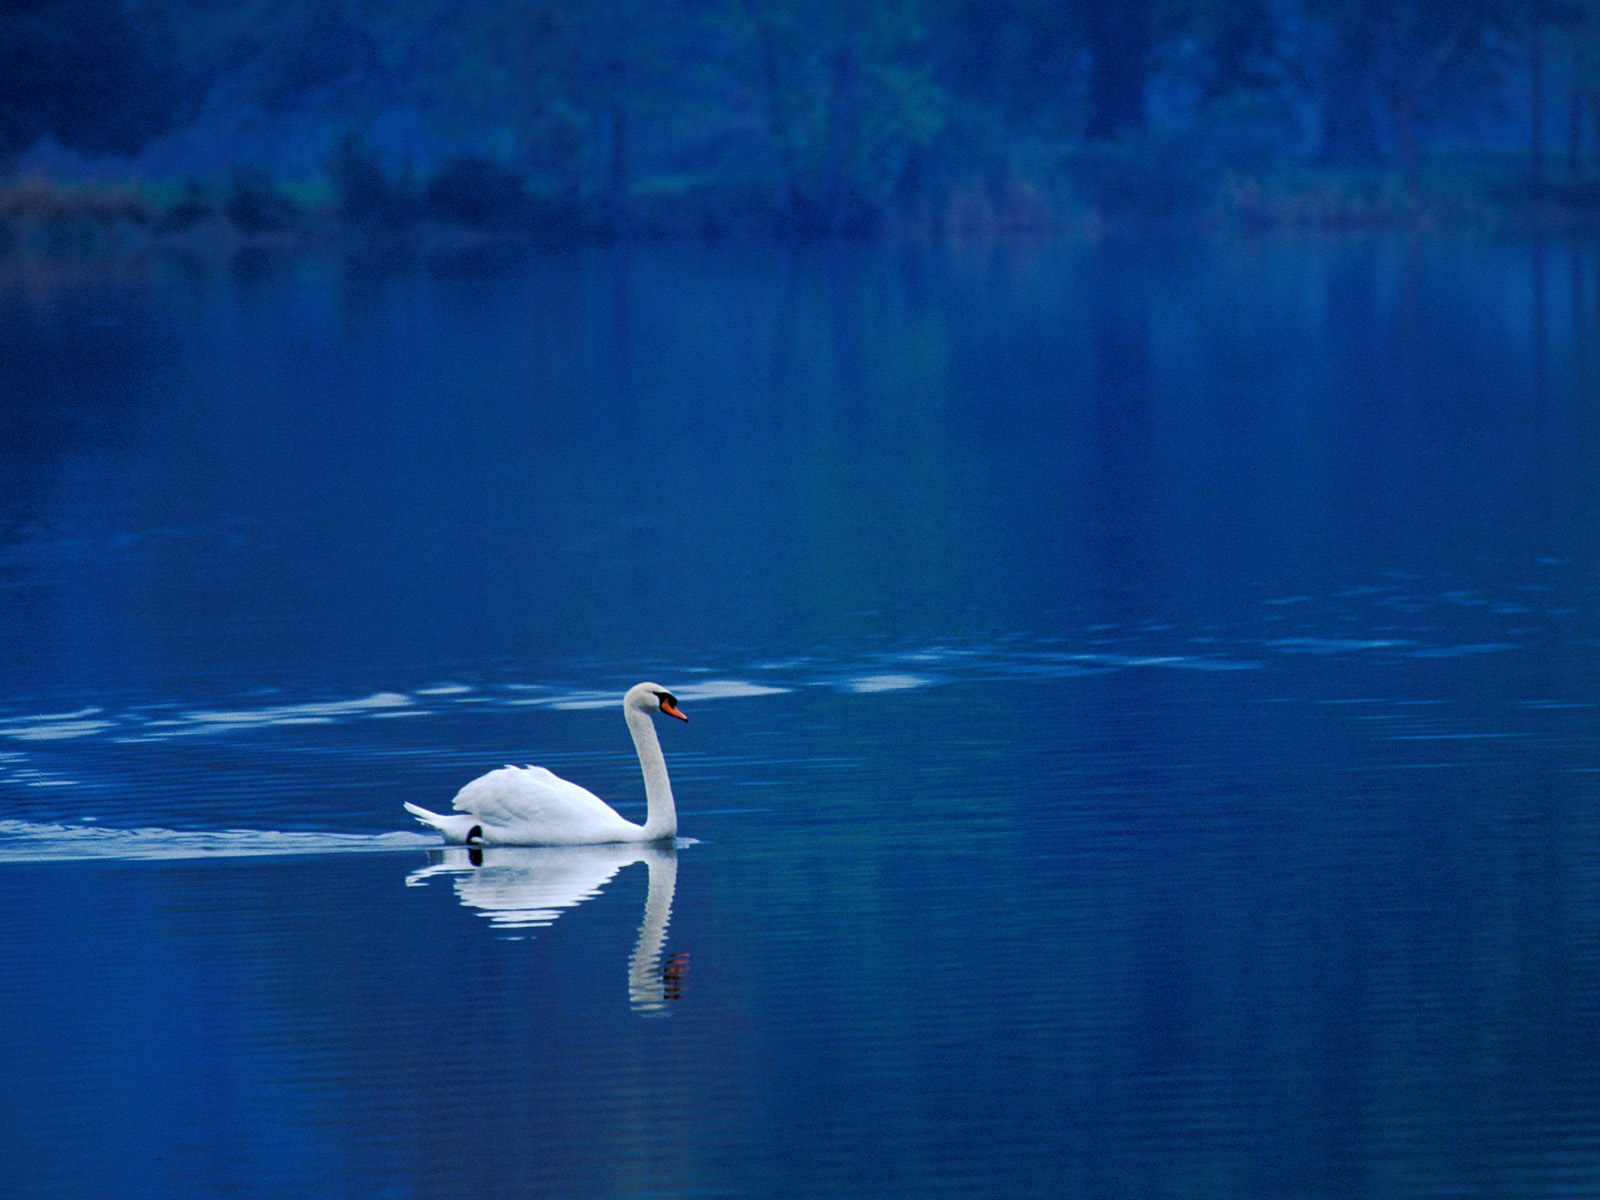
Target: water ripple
[
  {"x": 1351, "y": 623},
  {"x": 27, "y": 841}
]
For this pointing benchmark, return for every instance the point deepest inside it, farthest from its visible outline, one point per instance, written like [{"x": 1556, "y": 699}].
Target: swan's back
[{"x": 530, "y": 805}]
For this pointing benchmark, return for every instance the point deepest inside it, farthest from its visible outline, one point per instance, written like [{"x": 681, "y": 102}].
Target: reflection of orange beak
[{"x": 672, "y": 710}]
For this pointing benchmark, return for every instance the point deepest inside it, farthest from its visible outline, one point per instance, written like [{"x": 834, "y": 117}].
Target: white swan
[{"x": 530, "y": 806}]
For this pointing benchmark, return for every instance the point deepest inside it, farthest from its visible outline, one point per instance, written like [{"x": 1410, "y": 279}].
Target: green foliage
[
  {"x": 706, "y": 206},
  {"x": 846, "y": 100},
  {"x": 37, "y": 214},
  {"x": 1410, "y": 63},
  {"x": 1150, "y": 177},
  {"x": 255, "y": 206},
  {"x": 478, "y": 192},
  {"x": 195, "y": 207},
  {"x": 826, "y": 115},
  {"x": 366, "y": 191}
]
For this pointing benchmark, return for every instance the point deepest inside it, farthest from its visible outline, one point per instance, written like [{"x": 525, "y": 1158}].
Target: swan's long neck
[{"x": 661, "y": 818}]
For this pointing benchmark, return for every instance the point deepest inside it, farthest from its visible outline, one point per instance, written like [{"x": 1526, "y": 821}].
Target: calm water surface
[{"x": 1143, "y": 729}]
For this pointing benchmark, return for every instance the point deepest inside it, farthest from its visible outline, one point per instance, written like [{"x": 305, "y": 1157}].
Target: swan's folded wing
[{"x": 513, "y": 795}]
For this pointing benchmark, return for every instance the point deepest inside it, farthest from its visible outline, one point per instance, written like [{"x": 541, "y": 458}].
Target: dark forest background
[{"x": 269, "y": 118}]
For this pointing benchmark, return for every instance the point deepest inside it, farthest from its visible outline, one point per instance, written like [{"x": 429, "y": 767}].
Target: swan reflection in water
[{"x": 529, "y": 887}]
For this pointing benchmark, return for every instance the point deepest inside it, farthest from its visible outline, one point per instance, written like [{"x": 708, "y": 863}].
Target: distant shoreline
[{"x": 248, "y": 211}]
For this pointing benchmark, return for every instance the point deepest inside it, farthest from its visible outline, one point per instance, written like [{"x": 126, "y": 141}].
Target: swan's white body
[{"x": 530, "y": 806}]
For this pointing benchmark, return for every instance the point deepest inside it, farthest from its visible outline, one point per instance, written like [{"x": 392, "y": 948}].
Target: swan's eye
[{"x": 669, "y": 705}]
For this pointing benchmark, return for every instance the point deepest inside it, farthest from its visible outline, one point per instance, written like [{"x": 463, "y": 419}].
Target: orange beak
[{"x": 672, "y": 710}]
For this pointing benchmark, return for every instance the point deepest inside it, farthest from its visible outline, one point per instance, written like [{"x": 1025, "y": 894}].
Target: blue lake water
[{"x": 1144, "y": 740}]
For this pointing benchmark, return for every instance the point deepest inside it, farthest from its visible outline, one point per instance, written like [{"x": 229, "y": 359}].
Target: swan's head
[{"x": 653, "y": 698}]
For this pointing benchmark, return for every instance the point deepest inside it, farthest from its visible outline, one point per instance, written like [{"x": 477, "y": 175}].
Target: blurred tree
[
  {"x": 334, "y": 65},
  {"x": 1119, "y": 37},
  {"x": 85, "y": 72},
  {"x": 1020, "y": 58},
  {"x": 1582, "y": 38},
  {"x": 1396, "y": 66},
  {"x": 1536, "y": 106},
  {"x": 839, "y": 110},
  {"x": 609, "y": 50},
  {"x": 847, "y": 95},
  {"x": 1244, "y": 47},
  {"x": 586, "y": 86},
  {"x": 514, "y": 56}
]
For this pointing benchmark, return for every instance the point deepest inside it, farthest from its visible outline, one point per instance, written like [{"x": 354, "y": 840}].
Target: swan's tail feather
[
  {"x": 454, "y": 826},
  {"x": 422, "y": 814}
]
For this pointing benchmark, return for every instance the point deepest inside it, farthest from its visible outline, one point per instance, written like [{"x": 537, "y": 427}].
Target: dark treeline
[{"x": 795, "y": 114}]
